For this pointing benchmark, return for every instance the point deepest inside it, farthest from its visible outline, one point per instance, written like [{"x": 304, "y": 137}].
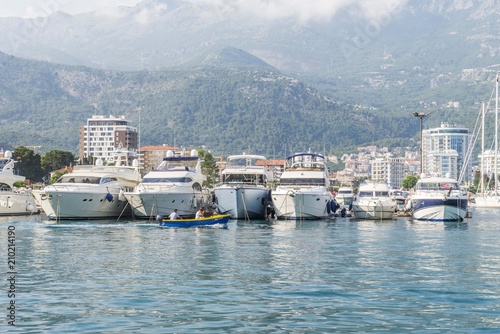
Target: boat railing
[
  {"x": 82, "y": 188},
  {"x": 246, "y": 183}
]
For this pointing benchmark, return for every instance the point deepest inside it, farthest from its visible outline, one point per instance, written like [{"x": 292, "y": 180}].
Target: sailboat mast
[
  {"x": 482, "y": 152},
  {"x": 496, "y": 137}
]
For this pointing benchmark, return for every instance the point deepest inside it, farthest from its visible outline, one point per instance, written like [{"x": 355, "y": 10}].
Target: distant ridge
[{"x": 231, "y": 58}]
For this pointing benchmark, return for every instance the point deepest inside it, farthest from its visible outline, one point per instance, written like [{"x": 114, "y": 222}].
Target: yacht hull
[
  {"x": 439, "y": 209},
  {"x": 297, "y": 204},
  {"x": 488, "y": 201},
  {"x": 150, "y": 204},
  {"x": 17, "y": 204},
  {"x": 374, "y": 209},
  {"x": 81, "y": 205},
  {"x": 242, "y": 202}
]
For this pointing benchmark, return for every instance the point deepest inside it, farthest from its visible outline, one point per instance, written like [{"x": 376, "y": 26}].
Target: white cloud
[
  {"x": 37, "y": 8},
  {"x": 145, "y": 15},
  {"x": 303, "y": 10}
]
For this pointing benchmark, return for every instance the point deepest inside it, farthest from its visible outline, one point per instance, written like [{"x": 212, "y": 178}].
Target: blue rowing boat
[{"x": 190, "y": 222}]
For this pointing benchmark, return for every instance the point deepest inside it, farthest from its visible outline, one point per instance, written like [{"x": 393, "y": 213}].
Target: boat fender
[
  {"x": 350, "y": 207},
  {"x": 343, "y": 212},
  {"x": 121, "y": 196},
  {"x": 328, "y": 204},
  {"x": 334, "y": 206},
  {"x": 109, "y": 197},
  {"x": 29, "y": 207}
]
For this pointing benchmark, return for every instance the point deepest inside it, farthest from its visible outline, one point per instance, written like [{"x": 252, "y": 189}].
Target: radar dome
[
  {"x": 170, "y": 154},
  {"x": 8, "y": 154},
  {"x": 194, "y": 153},
  {"x": 99, "y": 162}
]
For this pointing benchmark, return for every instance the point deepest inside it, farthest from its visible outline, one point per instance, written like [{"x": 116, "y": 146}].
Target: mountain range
[{"x": 361, "y": 66}]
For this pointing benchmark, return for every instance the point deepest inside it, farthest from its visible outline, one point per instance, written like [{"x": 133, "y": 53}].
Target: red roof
[{"x": 160, "y": 148}]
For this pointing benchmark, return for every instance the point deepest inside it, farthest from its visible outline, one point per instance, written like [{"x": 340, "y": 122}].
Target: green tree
[
  {"x": 209, "y": 167},
  {"x": 28, "y": 163},
  {"x": 56, "y": 176},
  {"x": 409, "y": 182},
  {"x": 56, "y": 159}
]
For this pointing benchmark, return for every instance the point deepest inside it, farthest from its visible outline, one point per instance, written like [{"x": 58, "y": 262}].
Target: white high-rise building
[
  {"x": 103, "y": 136},
  {"x": 390, "y": 170},
  {"x": 444, "y": 150}
]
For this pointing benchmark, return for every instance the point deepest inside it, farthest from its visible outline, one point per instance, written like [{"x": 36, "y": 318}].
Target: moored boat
[
  {"x": 399, "y": 197},
  {"x": 373, "y": 201},
  {"x": 243, "y": 192},
  {"x": 302, "y": 191},
  {"x": 191, "y": 222},
  {"x": 177, "y": 183},
  {"x": 439, "y": 199},
  {"x": 14, "y": 201},
  {"x": 91, "y": 191},
  {"x": 345, "y": 196}
]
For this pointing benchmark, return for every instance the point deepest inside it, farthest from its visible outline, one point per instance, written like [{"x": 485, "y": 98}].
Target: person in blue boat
[
  {"x": 174, "y": 215},
  {"x": 200, "y": 213}
]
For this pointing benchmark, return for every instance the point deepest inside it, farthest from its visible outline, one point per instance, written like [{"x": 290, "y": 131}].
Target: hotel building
[{"x": 103, "y": 136}]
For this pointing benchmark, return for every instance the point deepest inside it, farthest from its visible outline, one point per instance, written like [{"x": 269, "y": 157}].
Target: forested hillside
[{"x": 228, "y": 109}]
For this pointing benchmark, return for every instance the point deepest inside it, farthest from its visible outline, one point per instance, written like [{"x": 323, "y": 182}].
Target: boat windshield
[
  {"x": 373, "y": 194},
  {"x": 243, "y": 178},
  {"x": 242, "y": 162},
  {"x": 345, "y": 192},
  {"x": 437, "y": 186},
  {"x": 80, "y": 179},
  {"x": 303, "y": 182},
  {"x": 167, "y": 180},
  {"x": 5, "y": 187}
]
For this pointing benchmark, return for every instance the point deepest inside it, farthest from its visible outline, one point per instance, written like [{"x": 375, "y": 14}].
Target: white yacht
[
  {"x": 177, "y": 183},
  {"x": 373, "y": 201},
  {"x": 14, "y": 201},
  {"x": 302, "y": 191},
  {"x": 90, "y": 191},
  {"x": 439, "y": 199},
  {"x": 243, "y": 192},
  {"x": 399, "y": 197},
  {"x": 345, "y": 196}
]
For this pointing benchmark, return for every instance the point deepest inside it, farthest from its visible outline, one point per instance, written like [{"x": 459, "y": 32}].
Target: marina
[{"x": 340, "y": 275}]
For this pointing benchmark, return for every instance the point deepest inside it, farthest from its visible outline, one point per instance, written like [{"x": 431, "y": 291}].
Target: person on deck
[
  {"x": 174, "y": 215},
  {"x": 200, "y": 213}
]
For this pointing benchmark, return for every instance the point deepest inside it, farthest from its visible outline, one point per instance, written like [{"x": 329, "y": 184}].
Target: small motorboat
[{"x": 190, "y": 222}]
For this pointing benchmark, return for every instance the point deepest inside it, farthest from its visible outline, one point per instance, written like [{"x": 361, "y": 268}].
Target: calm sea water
[{"x": 338, "y": 275}]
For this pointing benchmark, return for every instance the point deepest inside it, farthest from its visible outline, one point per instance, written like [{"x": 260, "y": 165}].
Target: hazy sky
[
  {"x": 303, "y": 10},
  {"x": 32, "y": 8}
]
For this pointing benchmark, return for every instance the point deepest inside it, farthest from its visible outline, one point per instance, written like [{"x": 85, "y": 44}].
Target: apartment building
[
  {"x": 444, "y": 151},
  {"x": 103, "y": 136}
]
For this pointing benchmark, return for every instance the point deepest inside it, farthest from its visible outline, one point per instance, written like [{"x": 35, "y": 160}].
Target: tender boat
[
  {"x": 302, "y": 191},
  {"x": 91, "y": 191},
  {"x": 190, "y": 222},
  {"x": 14, "y": 201},
  {"x": 439, "y": 199},
  {"x": 177, "y": 183},
  {"x": 399, "y": 197},
  {"x": 373, "y": 201},
  {"x": 345, "y": 196},
  {"x": 243, "y": 192}
]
